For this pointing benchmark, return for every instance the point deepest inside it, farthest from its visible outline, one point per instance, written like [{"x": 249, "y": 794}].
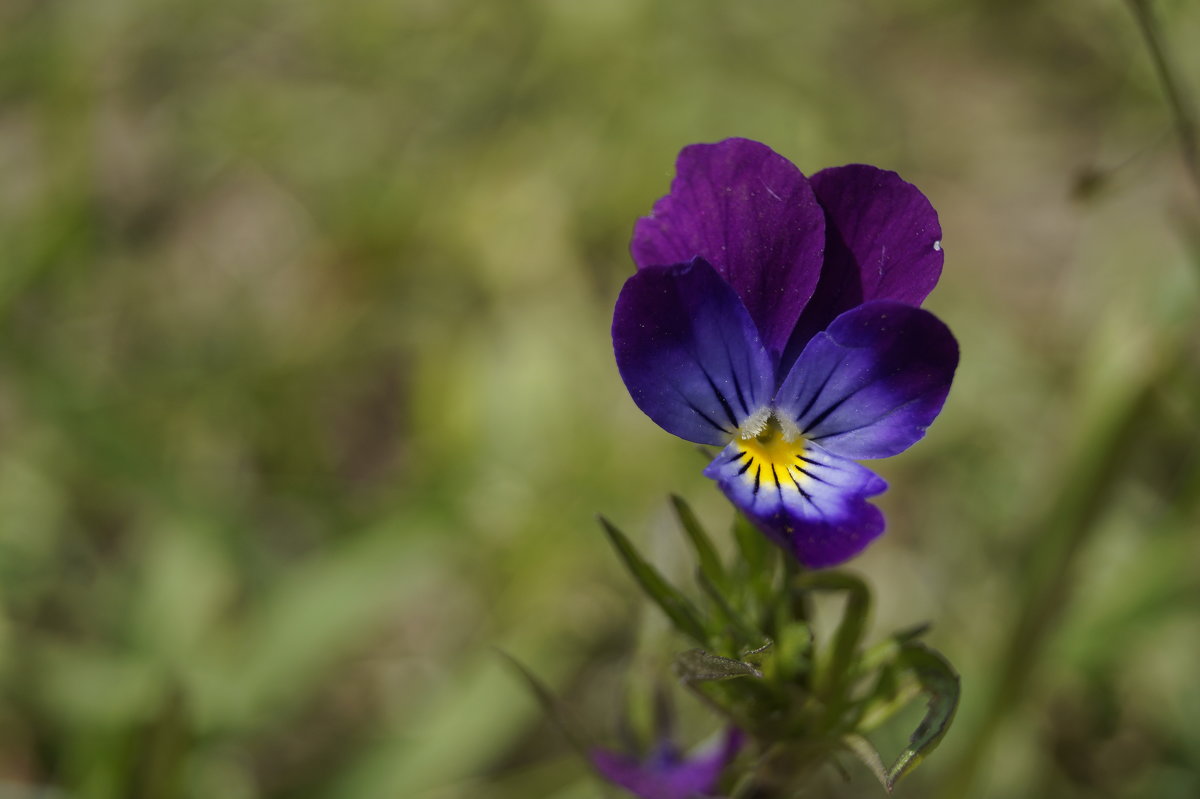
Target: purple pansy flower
[
  {"x": 776, "y": 315},
  {"x": 666, "y": 773}
]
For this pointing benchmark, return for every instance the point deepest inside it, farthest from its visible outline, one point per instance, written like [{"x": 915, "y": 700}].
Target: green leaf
[
  {"x": 679, "y": 609},
  {"x": 706, "y": 553},
  {"x": 835, "y": 669},
  {"x": 793, "y": 643},
  {"x": 940, "y": 683},
  {"x": 866, "y": 752},
  {"x": 755, "y": 549},
  {"x": 549, "y": 702},
  {"x": 892, "y": 692},
  {"x": 754, "y": 572},
  {"x": 887, "y": 650},
  {"x": 742, "y": 630},
  {"x": 697, "y": 665}
]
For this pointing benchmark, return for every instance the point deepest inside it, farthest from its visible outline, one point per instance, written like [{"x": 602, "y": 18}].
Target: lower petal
[{"x": 807, "y": 500}]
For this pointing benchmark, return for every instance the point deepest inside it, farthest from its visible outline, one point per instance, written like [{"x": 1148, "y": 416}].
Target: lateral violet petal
[
  {"x": 750, "y": 213},
  {"x": 869, "y": 385},
  {"x": 689, "y": 353},
  {"x": 882, "y": 242},
  {"x": 813, "y": 505},
  {"x": 666, "y": 774}
]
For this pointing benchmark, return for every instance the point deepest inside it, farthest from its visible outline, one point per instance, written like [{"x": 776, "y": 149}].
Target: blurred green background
[{"x": 307, "y": 400}]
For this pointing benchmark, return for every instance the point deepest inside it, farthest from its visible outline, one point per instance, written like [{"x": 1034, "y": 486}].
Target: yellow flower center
[{"x": 773, "y": 455}]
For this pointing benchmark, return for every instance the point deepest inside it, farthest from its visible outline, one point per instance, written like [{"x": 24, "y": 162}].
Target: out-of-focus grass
[{"x": 307, "y": 401}]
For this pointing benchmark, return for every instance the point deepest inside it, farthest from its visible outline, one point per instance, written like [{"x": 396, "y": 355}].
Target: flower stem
[
  {"x": 800, "y": 603},
  {"x": 1181, "y": 111}
]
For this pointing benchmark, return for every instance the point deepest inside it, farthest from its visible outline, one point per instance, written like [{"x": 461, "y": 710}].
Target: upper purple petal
[
  {"x": 869, "y": 385},
  {"x": 665, "y": 775},
  {"x": 882, "y": 242},
  {"x": 689, "y": 353},
  {"x": 750, "y": 213},
  {"x": 813, "y": 504}
]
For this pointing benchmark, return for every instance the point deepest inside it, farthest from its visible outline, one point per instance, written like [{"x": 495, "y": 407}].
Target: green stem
[
  {"x": 1181, "y": 111},
  {"x": 800, "y": 604}
]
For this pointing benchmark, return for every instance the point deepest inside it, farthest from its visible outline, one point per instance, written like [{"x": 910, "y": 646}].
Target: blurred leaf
[
  {"x": 710, "y": 563},
  {"x": 679, "y": 609},
  {"x": 790, "y": 657},
  {"x": 887, "y": 650},
  {"x": 98, "y": 688},
  {"x": 468, "y": 721},
  {"x": 550, "y": 703},
  {"x": 755, "y": 549},
  {"x": 1116, "y": 408},
  {"x": 754, "y": 572},
  {"x": 313, "y": 618},
  {"x": 742, "y": 630},
  {"x": 892, "y": 691}
]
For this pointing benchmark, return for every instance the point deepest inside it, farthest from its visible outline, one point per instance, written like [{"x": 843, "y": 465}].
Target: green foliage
[
  {"x": 678, "y": 608},
  {"x": 307, "y": 400},
  {"x": 791, "y": 692}
]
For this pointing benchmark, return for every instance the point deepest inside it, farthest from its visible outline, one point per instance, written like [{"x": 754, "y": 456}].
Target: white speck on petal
[{"x": 937, "y": 246}]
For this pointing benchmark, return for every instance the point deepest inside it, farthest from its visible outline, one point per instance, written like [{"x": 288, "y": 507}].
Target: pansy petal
[
  {"x": 629, "y": 773},
  {"x": 750, "y": 213},
  {"x": 869, "y": 385},
  {"x": 667, "y": 775},
  {"x": 882, "y": 242},
  {"x": 689, "y": 353},
  {"x": 807, "y": 500}
]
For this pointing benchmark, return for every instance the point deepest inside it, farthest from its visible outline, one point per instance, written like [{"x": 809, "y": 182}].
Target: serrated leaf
[
  {"x": 706, "y": 553},
  {"x": 941, "y": 684},
  {"x": 678, "y": 608},
  {"x": 758, "y": 650},
  {"x": 698, "y": 665}
]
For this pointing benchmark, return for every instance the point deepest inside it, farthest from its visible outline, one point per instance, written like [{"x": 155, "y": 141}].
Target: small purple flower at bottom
[
  {"x": 775, "y": 315},
  {"x": 666, "y": 773}
]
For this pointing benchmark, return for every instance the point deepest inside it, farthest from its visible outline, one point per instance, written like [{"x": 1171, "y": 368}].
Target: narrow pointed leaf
[
  {"x": 887, "y": 650},
  {"x": 679, "y": 609},
  {"x": 866, "y": 752},
  {"x": 706, "y": 553},
  {"x": 940, "y": 683},
  {"x": 742, "y": 630},
  {"x": 549, "y": 702},
  {"x": 754, "y": 572},
  {"x": 752, "y": 545},
  {"x": 892, "y": 692}
]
